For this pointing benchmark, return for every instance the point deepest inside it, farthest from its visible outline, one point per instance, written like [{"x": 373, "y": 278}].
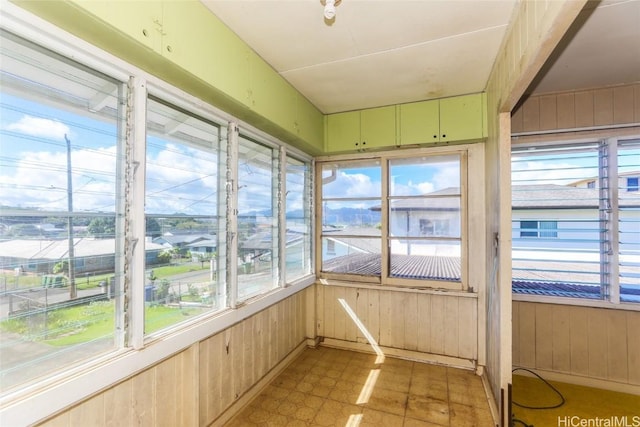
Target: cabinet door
[
  {"x": 141, "y": 20},
  {"x": 461, "y": 118},
  {"x": 343, "y": 131},
  {"x": 420, "y": 122},
  {"x": 378, "y": 127}
]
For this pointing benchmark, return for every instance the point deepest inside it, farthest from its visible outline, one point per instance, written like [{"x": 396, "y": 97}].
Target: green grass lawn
[{"x": 81, "y": 324}]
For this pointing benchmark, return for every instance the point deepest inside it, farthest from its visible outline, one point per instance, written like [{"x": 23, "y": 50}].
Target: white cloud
[{"x": 36, "y": 126}]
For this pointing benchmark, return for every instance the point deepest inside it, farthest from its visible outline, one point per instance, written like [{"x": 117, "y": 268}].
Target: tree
[{"x": 102, "y": 227}]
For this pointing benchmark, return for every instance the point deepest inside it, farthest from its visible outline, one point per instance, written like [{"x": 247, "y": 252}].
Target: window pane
[
  {"x": 556, "y": 222},
  {"x": 434, "y": 175},
  {"x": 59, "y": 126},
  {"x": 425, "y": 217},
  {"x": 629, "y": 221},
  {"x": 362, "y": 215},
  {"x": 257, "y": 219},
  {"x": 181, "y": 217},
  {"x": 425, "y": 259},
  {"x": 355, "y": 180},
  {"x": 298, "y": 217},
  {"x": 351, "y": 255}
]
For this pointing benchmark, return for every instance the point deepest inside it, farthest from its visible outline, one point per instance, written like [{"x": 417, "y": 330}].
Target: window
[
  {"x": 423, "y": 201},
  {"x": 181, "y": 209},
  {"x": 60, "y": 262},
  {"x": 586, "y": 237},
  {"x": 632, "y": 184},
  {"x": 538, "y": 228},
  {"x": 74, "y": 143}
]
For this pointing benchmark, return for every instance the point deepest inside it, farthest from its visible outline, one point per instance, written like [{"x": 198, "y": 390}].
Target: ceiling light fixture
[{"x": 330, "y": 8}]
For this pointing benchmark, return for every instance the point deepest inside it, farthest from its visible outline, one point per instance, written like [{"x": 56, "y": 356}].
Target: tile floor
[{"x": 330, "y": 387}]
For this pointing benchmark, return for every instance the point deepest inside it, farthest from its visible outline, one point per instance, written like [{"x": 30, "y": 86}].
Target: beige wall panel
[
  {"x": 143, "y": 393},
  {"x": 411, "y": 325},
  {"x": 584, "y": 109},
  {"x": 515, "y": 332},
  {"x": 339, "y": 314},
  {"x": 633, "y": 346},
  {"x": 320, "y": 310},
  {"x": 362, "y": 311},
  {"x": 451, "y": 320},
  {"x": 579, "y": 341},
  {"x": 517, "y": 120},
  {"x": 61, "y": 420},
  {"x": 561, "y": 321},
  {"x": 351, "y": 300},
  {"x": 118, "y": 400},
  {"x": 566, "y": 108},
  {"x": 328, "y": 303},
  {"x": 437, "y": 324},
  {"x": 544, "y": 331},
  {"x": 548, "y": 112},
  {"x": 226, "y": 369},
  {"x": 273, "y": 334},
  {"x": 531, "y": 120},
  {"x": 527, "y": 334},
  {"x": 603, "y": 106},
  {"x": 386, "y": 318},
  {"x": 374, "y": 314},
  {"x": 467, "y": 330},
  {"x": 424, "y": 323},
  {"x": 90, "y": 413},
  {"x": 248, "y": 340},
  {"x": 598, "y": 351},
  {"x": 210, "y": 385},
  {"x": 166, "y": 393},
  {"x": 617, "y": 351},
  {"x": 623, "y": 104}
]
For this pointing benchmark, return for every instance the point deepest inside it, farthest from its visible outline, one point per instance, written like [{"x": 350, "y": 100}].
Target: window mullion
[
  {"x": 280, "y": 244},
  {"x": 232, "y": 214},
  {"x": 120, "y": 211},
  {"x": 384, "y": 219},
  {"x": 614, "y": 225},
  {"x": 135, "y": 217}
]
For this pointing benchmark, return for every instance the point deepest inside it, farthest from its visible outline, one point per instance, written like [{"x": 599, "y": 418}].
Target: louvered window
[{"x": 576, "y": 220}]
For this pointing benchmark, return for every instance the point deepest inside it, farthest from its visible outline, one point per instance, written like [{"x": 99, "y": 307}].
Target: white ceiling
[{"x": 383, "y": 52}]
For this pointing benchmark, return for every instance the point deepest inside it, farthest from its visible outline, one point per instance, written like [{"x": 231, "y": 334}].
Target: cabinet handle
[
  {"x": 364, "y": 142},
  {"x": 169, "y": 49},
  {"x": 444, "y": 135},
  {"x": 435, "y": 136},
  {"x": 145, "y": 32}
]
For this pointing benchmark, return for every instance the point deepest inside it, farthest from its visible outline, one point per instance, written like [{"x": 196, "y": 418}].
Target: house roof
[
  {"x": 58, "y": 249},
  {"x": 185, "y": 239},
  {"x": 547, "y": 196},
  {"x": 262, "y": 240},
  {"x": 402, "y": 266}
]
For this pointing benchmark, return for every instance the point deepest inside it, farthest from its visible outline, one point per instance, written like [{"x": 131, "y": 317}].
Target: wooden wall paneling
[
  {"x": 248, "y": 350},
  {"x": 237, "y": 361},
  {"x": 527, "y": 332},
  {"x": 61, "y": 420},
  {"x": 167, "y": 406},
  {"x": 515, "y": 332},
  {"x": 548, "y": 112},
  {"x": 91, "y": 412},
  {"x": 117, "y": 401},
  {"x": 451, "y": 325},
  {"x": 362, "y": 310},
  {"x": 584, "y": 109},
  {"x": 385, "y": 318},
  {"x": 328, "y": 302},
  {"x": 468, "y": 328},
  {"x": 373, "y": 314},
  {"x": 543, "y": 336},
  {"x": 517, "y": 120},
  {"x": 438, "y": 327},
  {"x": 258, "y": 357},
  {"x": 273, "y": 336},
  {"x": 397, "y": 314},
  {"x": 566, "y": 108},
  {"x": 210, "y": 378},
  {"x": 531, "y": 120},
  {"x": 226, "y": 370},
  {"x": 623, "y": 104},
  {"x": 411, "y": 322},
  {"x": 636, "y": 103},
  {"x": 143, "y": 401},
  {"x": 424, "y": 323},
  {"x": 579, "y": 341},
  {"x": 188, "y": 373},
  {"x": 616, "y": 345},
  {"x": 633, "y": 343},
  {"x": 351, "y": 299},
  {"x": 603, "y": 106},
  {"x": 561, "y": 339},
  {"x": 320, "y": 310},
  {"x": 597, "y": 321}
]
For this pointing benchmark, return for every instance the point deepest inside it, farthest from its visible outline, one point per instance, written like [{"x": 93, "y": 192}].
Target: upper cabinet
[
  {"x": 460, "y": 118},
  {"x": 359, "y": 130}
]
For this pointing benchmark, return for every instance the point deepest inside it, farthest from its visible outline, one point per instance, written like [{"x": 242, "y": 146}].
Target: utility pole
[{"x": 73, "y": 293}]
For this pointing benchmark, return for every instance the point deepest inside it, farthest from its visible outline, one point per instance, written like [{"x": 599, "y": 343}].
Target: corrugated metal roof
[{"x": 58, "y": 249}]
